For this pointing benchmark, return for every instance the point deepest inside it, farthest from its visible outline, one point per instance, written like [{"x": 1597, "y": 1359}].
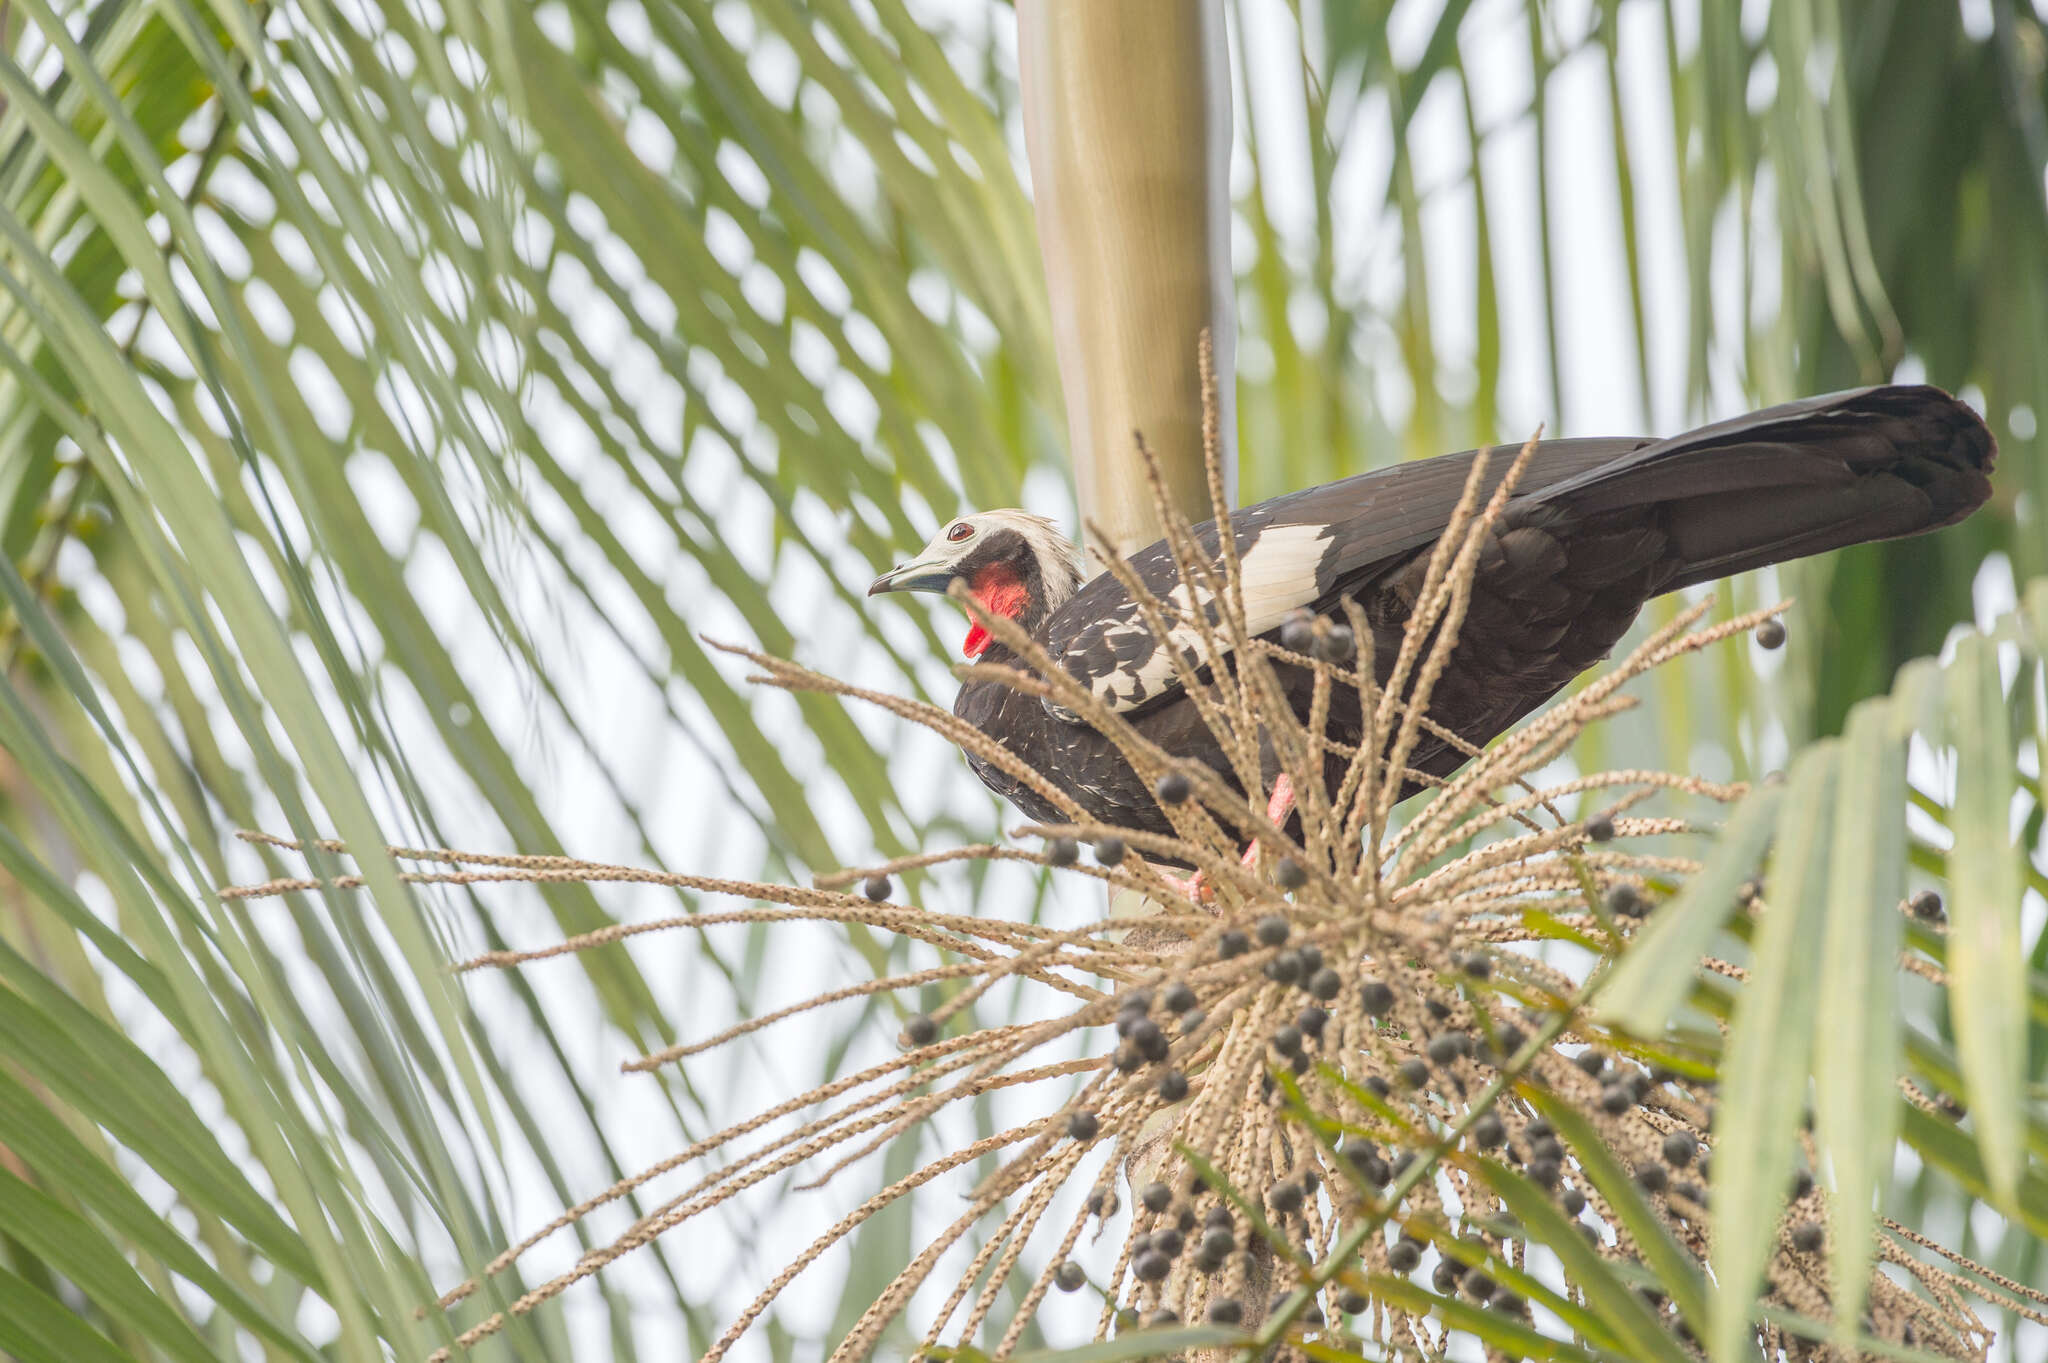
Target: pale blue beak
[{"x": 918, "y": 575}]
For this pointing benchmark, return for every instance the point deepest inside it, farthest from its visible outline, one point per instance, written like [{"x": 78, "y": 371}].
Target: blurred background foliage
[{"x": 391, "y": 394}]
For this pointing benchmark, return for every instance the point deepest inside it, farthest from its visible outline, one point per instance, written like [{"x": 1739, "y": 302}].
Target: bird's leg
[
  {"x": 1277, "y": 809},
  {"x": 1197, "y": 887}
]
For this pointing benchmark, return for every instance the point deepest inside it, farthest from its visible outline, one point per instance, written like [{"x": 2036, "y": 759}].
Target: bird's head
[{"x": 1014, "y": 563}]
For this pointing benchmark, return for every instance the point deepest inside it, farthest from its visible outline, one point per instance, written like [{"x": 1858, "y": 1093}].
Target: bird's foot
[{"x": 1198, "y": 888}]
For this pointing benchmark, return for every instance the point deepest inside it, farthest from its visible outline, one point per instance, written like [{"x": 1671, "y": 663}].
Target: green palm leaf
[{"x": 390, "y": 398}]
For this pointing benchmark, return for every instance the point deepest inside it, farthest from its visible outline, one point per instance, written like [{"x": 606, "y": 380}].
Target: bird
[{"x": 1595, "y": 528}]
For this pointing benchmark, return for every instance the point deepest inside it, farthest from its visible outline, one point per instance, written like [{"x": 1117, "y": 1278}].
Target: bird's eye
[{"x": 960, "y": 532}]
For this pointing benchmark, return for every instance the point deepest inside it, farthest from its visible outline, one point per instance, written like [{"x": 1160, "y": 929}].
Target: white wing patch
[
  {"x": 1129, "y": 669},
  {"x": 1280, "y": 573}
]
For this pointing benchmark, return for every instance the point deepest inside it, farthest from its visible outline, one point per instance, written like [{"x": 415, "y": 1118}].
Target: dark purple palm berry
[
  {"x": 1325, "y": 984},
  {"x": 1807, "y": 1237},
  {"x": 1178, "y": 998},
  {"x": 1488, "y": 1132},
  {"x": 1272, "y": 930},
  {"x": 1679, "y": 1148},
  {"x": 876, "y": 888},
  {"x": 1070, "y": 1276},
  {"x": 1405, "y": 1256},
  {"x": 1173, "y": 1086},
  {"x": 1600, "y": 828},
  {"x": 1232, "y": 943},
  {"x": 1226, "y": 1311},
  {"x": 1376, "y": 997},
  {"x": 1413, "y": 1073},
  {"x": 1082, "y": 1125},
  {"x": 1310, "y": 1020},
  {"x": 1573, "y": 1201},
  {"x": 1151, "y": 1266},
  {"x": 1110, "y": 850},
  {"x": 1289, "y": 874},
  {"x": 1335, "y": 646},
  {"x": 1284, "y": 968},
  {"x": 1770, "y": 633},
  {"x": 1063, "y": 851},
  {"x": 1284, "y": 1198},
  {"x": 921, "y": 1030},
  {"x": 1157, "y": 1197}
]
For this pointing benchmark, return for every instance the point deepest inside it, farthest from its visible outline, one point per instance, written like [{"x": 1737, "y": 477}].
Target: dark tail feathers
[{"x": 1803, "y": 478}]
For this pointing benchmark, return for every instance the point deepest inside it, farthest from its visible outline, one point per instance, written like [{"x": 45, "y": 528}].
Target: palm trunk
[{"x": 1127, "y": 117}]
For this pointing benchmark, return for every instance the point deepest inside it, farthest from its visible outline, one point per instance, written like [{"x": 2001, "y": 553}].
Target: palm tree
[{"x": 390, "y": 396}]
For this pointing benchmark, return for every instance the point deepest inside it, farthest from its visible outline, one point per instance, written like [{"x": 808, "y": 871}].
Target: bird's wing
[
  {"x": 1299, "y": 551},
  {"x": 1800, "y": 478}
]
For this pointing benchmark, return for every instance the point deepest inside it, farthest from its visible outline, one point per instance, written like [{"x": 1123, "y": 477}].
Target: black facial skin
[{"x": 1006, "y": 546}]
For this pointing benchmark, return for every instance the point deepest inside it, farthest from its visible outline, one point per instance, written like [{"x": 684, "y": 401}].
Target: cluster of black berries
[
  {"x": 1145, "y": 1041},
  {"x": 1302, "y": 965},
  {"x": 1325, "y": 641},
  {"x": 1451, "y": 1274}
]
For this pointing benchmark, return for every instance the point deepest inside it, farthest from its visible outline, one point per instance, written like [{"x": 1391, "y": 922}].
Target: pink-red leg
[
  {"x": 1277, "y": 809},
  {"x": 1197, "y": 887}
]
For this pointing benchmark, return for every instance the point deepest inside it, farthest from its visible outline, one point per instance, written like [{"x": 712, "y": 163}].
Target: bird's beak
[{"x": 919, "y": 575}]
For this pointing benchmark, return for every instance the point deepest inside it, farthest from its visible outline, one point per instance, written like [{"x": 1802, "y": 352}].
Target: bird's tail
[{"x": 1803, "y": 478}]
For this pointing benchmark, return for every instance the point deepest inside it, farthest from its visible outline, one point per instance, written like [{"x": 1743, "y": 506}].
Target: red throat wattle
[{"x": 999, "y": 592}]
